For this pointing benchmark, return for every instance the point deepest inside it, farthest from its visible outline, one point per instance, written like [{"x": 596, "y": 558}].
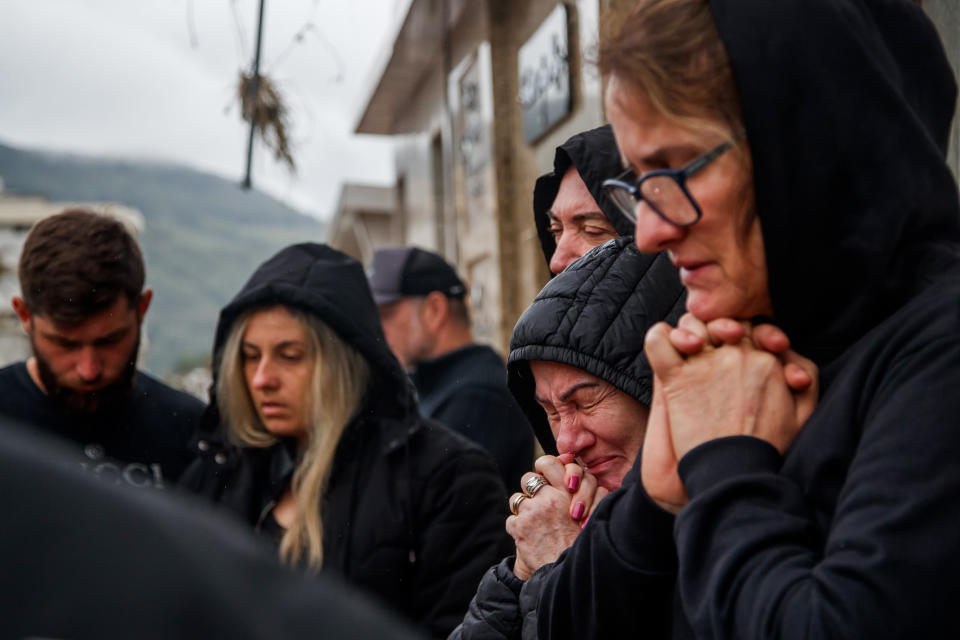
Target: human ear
[
  {"x": 144, "y": 303},
  {"x": 23, "y": 313},
  {"x": 435, "y": 310}
]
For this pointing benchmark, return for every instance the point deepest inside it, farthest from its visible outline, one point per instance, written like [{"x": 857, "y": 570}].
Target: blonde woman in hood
[{"x": 313, "y": 438}]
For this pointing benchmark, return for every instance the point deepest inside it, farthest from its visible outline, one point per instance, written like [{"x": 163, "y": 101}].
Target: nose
[
  {"x": 652, "y": 233},
  {"x": 89, "y": 366},
  {"x": 565, "y": 253},
  {"x": 263, "y": 377},
  {"x": 573, "y": 437}
]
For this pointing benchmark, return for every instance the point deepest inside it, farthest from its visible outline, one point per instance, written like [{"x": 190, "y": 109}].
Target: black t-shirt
[{"x": 141, "y": 441}]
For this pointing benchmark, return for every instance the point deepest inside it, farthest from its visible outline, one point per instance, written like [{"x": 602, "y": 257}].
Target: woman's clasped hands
[
  {"x": 556, "y": 501},
  {"x": 718, "y": 379}
]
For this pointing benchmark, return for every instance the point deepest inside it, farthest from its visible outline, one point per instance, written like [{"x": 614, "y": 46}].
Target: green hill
[{"x": 203, "y": 237}]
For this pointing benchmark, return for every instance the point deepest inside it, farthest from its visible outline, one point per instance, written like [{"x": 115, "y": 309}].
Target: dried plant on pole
[{"x": 265, "y": 108}]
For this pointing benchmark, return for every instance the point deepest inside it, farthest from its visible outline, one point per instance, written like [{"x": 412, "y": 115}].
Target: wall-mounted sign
[
  {"x": 474, "y": 140},
  {"x": 545, "y": 75}
]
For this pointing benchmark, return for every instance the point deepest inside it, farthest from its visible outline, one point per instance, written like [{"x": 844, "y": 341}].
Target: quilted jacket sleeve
[{"x": 494, "y": 612}]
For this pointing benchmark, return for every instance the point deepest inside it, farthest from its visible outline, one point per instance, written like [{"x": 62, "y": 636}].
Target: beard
[{"x": 85, "y": 403}]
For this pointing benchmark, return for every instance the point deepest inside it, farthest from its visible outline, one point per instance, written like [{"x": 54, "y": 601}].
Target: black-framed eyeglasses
[{"x": 665, "y": 190}]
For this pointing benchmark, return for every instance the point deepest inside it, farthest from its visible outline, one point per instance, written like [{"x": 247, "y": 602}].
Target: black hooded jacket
[
  {"x": 595, "y": 156},
  {"x": 853, "y": 532},
  {"x": 413, "y": 512},
  {"x": 594, "y": 317}
]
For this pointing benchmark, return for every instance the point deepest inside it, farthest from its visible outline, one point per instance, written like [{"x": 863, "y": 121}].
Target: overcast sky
[{"x": 157, "y": 79}]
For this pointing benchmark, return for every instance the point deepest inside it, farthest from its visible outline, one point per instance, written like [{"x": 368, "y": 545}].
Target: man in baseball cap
[{"x": 460, "y": 383}]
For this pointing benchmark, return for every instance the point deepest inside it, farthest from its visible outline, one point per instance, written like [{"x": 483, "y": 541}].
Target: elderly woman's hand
[
  {"x": 692, "y": 336},
  {"x": 712, "y": 381},
  {"x": 548, "y": 522},
  {"x": 732, "y": 389},
  {"x": 658, "y": 466}
]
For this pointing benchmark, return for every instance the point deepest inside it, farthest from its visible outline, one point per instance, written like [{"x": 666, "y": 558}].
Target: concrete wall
[
  {"x": 490, "y": 237},
  {"x": 529, "y": 161},
  {"x": 428, "y": 210},
  {"x": 946, "y": 15},
  {"x": 415, "y": 187},
  {"x": 519, "y": 163}
]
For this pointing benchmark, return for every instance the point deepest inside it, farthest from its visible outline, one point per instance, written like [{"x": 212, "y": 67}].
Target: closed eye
[{"x": 598, "y": 231}]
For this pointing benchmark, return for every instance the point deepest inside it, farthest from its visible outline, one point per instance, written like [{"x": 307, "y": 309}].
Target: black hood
[
  {"x": 593, "y": 316},
  {"x": 333, "y": 286},
  {"x": 847, "y": 106},
  {"x": 595, "y": 156}
]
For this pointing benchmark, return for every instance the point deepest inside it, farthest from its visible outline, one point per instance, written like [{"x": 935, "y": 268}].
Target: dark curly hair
[{"x": 76, "y": 263}]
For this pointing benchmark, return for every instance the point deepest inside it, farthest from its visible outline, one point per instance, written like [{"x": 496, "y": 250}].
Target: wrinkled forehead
[
  {"x": 556, "y": 378},
  {"x": 574, "y": 199},
  {"x": 642, "y": 131}
]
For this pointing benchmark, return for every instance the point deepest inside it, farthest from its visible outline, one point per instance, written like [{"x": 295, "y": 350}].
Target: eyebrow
[
  {"x": 114, "y": 335},
  {"x": 592, "y": 215},
  {"x": 56, "y": 337},
  {"x": 660, "y": 155},
  {"x": 280, "y": 345},
  {"x": 566, "y": 394},
  {"x": 572, "y": 390}
]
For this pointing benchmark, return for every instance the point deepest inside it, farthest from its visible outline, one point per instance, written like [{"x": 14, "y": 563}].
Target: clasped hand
[
  {"x": 722, "y": 378},
  {"x": 548, "y": 522}
]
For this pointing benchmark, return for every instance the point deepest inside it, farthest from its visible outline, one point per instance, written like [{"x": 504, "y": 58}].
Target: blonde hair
[
  {"x": 338, "y": 384},
  {"x": 670, "y": 52}
]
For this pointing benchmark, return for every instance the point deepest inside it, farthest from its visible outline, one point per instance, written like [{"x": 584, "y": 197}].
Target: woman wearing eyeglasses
[{"x": 789, "y": 158}]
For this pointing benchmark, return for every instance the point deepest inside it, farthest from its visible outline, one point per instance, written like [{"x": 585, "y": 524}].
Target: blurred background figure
[
  {"x": 83, "y": 304},
  {"x": 108, "y": 562},
  {"x": 314, "y": 439},
  {"x": 459, "y": 382}
]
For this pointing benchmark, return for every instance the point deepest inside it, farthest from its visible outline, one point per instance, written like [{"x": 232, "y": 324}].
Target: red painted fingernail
[
  {"x": 573, "y": 483},
  {"x": 578, "y": 510},
  {"x": 583, "y": 522}
]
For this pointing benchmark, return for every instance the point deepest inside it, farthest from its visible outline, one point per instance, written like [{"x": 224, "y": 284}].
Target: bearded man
[
  {"x": 460, "y": 383},
  {"x": 82, "y": 305}
]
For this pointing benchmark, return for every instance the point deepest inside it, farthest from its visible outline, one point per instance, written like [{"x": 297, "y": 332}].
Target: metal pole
[{"x": 254, "y": 88}]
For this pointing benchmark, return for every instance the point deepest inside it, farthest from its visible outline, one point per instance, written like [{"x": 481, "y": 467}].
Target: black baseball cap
[{"x": 400, "y": 272}]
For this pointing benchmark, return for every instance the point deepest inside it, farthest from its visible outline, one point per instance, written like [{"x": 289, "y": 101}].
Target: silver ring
[{"x": 533, "y": 484}]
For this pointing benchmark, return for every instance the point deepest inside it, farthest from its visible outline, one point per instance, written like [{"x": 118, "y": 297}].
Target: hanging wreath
[{"x": 262, "y": 104}]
